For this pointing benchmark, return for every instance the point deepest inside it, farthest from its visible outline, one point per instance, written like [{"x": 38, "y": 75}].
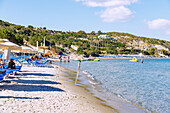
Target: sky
[{"x": 148, "y": 18}]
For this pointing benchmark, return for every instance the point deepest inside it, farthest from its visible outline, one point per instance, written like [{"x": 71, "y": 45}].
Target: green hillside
[{"x": 87, "y": 43}]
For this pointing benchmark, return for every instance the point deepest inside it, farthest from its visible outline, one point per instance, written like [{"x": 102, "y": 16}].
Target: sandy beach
[{"x": 46, "y": 90}]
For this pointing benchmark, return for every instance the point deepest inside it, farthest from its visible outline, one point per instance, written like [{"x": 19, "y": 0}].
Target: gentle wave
[{"x": 91, "y": 79}]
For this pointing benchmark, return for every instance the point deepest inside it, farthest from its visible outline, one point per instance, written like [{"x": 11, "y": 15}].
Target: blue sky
[{"x": 149, "y": 18}]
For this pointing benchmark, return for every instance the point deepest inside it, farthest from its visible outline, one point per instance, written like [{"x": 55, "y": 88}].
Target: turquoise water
[{"x": 145, "y": 85}]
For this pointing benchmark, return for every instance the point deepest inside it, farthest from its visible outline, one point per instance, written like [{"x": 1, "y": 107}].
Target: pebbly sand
[{"x": 46, "y": 90}]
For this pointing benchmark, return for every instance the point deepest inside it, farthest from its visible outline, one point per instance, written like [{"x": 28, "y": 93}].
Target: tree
[
  {"x": 132, "y": 50},
  {"x": 152, "y": 51},
  {"x": 80, "y": 50},
  {"x": 81, "y": 32},
  {"x": 99, "y": 32},
  {"x": 164, "y": 52},
  {"x": 30, "y": 26},
  {"x": 19, "y": 39},
  {"x": 93, "y": 33},
  {"x": 7, "y": 34},
  {"x": 19, "y": 27},
  {"x": 120, "y": 44},
  {"x": 112, "y": 51},
  {"x": 86, "y": 54},
  {"x": 94, "y": 54}
]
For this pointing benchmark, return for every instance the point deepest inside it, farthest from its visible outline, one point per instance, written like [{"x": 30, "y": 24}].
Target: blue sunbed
[
  {"x": 26, "y": 63},
  {"x": 2, "y": 76},
  {"x": 37, "y": 63}
]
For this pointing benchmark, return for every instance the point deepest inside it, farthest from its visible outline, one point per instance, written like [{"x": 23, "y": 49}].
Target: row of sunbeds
[
  {"x": 26, "y": 62},
  {"x": 18, "y": 68},
  {"x": 8, "y": 71}
]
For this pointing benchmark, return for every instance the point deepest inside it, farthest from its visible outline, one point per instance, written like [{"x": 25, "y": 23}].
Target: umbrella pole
[{"x": 77, "y": 72}]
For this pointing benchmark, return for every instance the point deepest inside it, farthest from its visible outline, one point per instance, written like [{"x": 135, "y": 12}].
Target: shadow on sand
[
  {"x": 29, "y": 88},
  {"x": 3, "y": 97},
  {"x": 32, "y": 71},
  {"x": 38, "y": 74},
  {"x": 36, "y": 82}
]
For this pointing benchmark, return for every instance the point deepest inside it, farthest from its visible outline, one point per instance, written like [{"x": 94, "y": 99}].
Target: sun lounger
[
  {"x": 18, "y": 68},
  {"x": 9, "y": 71},
  {"x": 2, "y": 76},
  {"x": 37, "y": 63},
  {"x": 1, "y": 79},
  {"x": 5, "y": 66},
  {"x": 25, "y": 63}
]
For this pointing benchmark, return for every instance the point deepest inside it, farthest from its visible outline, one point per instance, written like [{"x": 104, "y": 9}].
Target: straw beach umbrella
[
  {"x": 10, "y": 45},
  {"x": 26, "y": 49},
  {"x": 7, "y": 47},
  {"x": 6, "y": 55},
  {"x": 3, "y": 40},
  {"x": 43, "y": 47}
]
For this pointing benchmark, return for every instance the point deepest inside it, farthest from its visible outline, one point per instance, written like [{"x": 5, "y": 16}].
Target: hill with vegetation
[{"x": 86, "y": 43}]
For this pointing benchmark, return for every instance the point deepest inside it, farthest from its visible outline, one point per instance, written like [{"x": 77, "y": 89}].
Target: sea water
[{"x": 146, "y": 85}]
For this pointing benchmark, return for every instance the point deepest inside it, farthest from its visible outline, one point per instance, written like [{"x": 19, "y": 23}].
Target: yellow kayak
[{"x": 134, "y": 59}]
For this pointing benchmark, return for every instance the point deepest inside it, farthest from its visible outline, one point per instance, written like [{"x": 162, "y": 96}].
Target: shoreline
[
  {"x": 69, "y": 73},
  {"x": 42, "y": 89},
  {"x": 117, "y": 104},
  {"x": 131, "y": 58},
  {"x": 128, "y": 57}
]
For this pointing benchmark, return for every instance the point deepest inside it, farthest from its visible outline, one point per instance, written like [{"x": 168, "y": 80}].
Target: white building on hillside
[
  {"x": 159, "y": 47},
  {"x": 103, "y": 36},
  {"x": 74, "y": 47}
]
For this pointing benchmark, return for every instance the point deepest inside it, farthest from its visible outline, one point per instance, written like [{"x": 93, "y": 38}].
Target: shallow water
[{"x": 145, "y": 85}]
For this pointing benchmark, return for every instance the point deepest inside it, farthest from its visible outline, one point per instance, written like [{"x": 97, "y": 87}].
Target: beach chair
[
  {"x": 2, "y": 76},
  {"x": 8, "y": 71},
  {"x": 1, "y": 79},
  {"x": 40, "y": 64},
  {"x": 24, "y": 63},
  {"x": 5, "y": 66},
  {"x": 18, "y": 68}
]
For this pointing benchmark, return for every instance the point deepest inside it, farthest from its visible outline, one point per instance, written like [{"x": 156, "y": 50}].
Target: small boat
[
  {"x": 97, "y": 59},
  {"x": 134, "y": 59},
  {"x": 90, "y": 59}
]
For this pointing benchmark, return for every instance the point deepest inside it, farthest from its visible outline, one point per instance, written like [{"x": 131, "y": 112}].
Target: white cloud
[
  {"x": 160, "y": 24},
  {"x": 115, "y": 9},
  {"x": 106, "y": 3},
  {"x": 113, "y": 14}
]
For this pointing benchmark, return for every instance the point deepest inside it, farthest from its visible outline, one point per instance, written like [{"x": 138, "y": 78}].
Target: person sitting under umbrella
[{"x": 11, "y": 64}]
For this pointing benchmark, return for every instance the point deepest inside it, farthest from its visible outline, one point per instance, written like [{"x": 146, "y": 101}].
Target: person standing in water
[
  {"x": 68, "y": 59},
  {"x": 142, "y": 60},
  {"x": 60, "y": 58}
]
